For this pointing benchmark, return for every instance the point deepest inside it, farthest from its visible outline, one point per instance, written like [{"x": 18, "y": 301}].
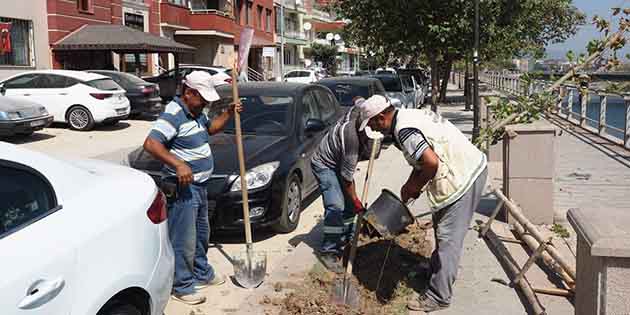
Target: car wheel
[
  {"x": 80, "y": 118},
  {"x": 291, "y": 206},
  {"x": 120, "y": 309}
]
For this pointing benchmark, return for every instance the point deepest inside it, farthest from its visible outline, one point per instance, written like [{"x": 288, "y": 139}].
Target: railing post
[
  {"x": 602, "y": 115},
  {"x": 561, "y": 93},
  {"x": 569, "y": 101},
  {"x": 583, "y": 104},
  {"x": 626, "y": 135}
]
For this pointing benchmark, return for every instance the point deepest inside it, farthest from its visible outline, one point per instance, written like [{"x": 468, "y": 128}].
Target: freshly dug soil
[{"x": 404, "y": 272}]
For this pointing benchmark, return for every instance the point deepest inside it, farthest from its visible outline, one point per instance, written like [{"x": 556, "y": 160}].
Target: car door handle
[
  {"x": 41, "y": 292},
  {"x": 27, "y": 94},
  {"x": 63, "y": 93}
]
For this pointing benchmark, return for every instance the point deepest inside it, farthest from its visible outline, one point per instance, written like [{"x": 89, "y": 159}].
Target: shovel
[
  {"x": 249, "y": 267},
  {"x": 345, "y": 292}
]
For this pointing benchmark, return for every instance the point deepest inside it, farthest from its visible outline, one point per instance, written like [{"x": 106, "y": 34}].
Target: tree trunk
[
  {"x": 435, "y": 81},
  {"x": 445, "y": 76}
]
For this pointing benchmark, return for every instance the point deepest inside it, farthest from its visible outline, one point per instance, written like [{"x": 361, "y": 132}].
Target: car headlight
[
  {"x": 257, "y": 177},
  {"x": 43, "y": 111},
  {"x": 9, "y": 116},
  {"x": 395, "y": 101}
]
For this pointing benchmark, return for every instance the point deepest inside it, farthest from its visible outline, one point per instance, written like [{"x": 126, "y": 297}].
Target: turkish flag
[{"x": 5, "y": 38}]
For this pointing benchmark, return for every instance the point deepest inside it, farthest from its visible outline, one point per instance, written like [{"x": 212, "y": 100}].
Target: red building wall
[{"x": 64, "y": 17}]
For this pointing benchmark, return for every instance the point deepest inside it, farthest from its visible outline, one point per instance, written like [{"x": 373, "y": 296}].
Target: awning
[{"x": 118, "y": 38}]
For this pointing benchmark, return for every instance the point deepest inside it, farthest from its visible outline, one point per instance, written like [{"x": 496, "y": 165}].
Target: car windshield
[
  {"x": 345, "y": 92},
  {"x": 262, "y": 114},
  {"x": 104, "y": 84},
  {"x": 391, "y": 84}
]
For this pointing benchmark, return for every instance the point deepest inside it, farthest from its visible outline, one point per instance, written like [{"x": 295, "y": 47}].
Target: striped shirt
[
  {"x": 186, "y": 137},
  {"x": 339, "y": 149},
  {"x": 412, "y": 141}
]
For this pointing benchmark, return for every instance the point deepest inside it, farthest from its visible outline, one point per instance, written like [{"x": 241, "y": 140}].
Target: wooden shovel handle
[{"x": 241, "y": 157}]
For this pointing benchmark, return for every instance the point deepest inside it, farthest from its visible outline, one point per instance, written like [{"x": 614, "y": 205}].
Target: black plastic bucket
[{"x": 389, "y": 215}]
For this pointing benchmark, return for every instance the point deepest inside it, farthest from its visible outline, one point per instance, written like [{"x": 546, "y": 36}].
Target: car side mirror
[
  {"x": 313, "y": 126},
  {"x": 2, "y": 89}
]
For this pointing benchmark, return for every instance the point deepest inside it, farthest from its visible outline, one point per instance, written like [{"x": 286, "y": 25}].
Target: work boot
[
  {"x": 190, "y": 299},
  {"x": 331, "y": 261},
  {"x": 424, "y": 303},
  {"x": 217, "y": 280}
]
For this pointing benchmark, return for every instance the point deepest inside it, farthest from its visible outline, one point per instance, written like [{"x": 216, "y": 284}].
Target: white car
[
  {"x": 78, "y": 98},
  {"x": 81, "y": 237},
  {"x": 301, "y": 76}
]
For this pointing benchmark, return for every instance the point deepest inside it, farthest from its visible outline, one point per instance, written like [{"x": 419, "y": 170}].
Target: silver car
[
  {"x": 394, "y": 90},
  {"x": 412, "y": 87},
  {"x": 21, "y": 117}
]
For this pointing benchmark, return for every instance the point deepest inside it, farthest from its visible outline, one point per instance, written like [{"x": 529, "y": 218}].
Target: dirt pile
[{"x": 404, "y": 273}]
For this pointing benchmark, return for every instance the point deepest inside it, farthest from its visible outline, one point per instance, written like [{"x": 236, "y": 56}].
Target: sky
[{"x": 588, "y": 31}]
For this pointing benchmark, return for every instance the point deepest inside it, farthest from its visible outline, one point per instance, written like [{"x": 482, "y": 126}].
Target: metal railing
[
  {"x": 253, "y": 75},
  {"x": 211, "y": 11},
  {"x": 602, "y": 113}
]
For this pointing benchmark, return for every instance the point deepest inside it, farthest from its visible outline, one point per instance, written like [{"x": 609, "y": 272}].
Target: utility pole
[
  {"x": 282, "y": 40},
  {"x": 476, "y": 75}
]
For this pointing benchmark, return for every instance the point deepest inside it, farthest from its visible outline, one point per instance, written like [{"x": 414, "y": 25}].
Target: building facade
[
  {"x": 68, "y": 16},
  {"x": 24, "y": 40},
  {"x": 214, "y": 27}
]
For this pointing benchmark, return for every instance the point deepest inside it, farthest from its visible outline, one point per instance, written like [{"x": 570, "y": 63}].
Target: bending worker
[{"x": 451, "y": 170}]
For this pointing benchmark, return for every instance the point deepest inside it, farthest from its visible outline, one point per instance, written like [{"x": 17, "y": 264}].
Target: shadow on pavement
[
  {"x": 27, "y": 139},
  {"x": 119, "y": 126}
]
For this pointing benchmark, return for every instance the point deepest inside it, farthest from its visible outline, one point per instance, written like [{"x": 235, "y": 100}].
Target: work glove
[{"x": 358, "y": 206}]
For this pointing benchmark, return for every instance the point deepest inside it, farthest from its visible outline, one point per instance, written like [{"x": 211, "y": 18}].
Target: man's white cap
[
  {"x": 204, "y": 83},
  {"x": 370, "y": 108}
]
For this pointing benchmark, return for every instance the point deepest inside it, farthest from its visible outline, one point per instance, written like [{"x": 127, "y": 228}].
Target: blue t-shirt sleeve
[{"x": 164, "y": 128}]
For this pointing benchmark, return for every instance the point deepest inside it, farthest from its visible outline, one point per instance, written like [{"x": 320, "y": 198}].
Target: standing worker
[
  {"x": 179, "y": 138},
  {"x": 452, "y": 171},
  {"x": 334, "y": 165}
]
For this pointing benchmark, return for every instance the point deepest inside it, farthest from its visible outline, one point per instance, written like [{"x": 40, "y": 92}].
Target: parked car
[
  {"x": 143, "y": 96},
  {"x": 283, "y": 124},
  {"x": 420, "y": 76},
  {"x": 391, "y": 71},
  {"x": 169, "y": 85},
  {"x": 21, "y": 117},
  {"x": 78, "y": 98},
  {"x": 410, "y": 86},
  {"x": 394, "y": 90},
  {"x": 347, "y": 88},
  {"x": 81, "y": 237},
  {"x": 301, "y": 76}
]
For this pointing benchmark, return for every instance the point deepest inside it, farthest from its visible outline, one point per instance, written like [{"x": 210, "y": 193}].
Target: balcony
[
  {"x": 174, "y": 16},
  {"x": 216, "y": 7},
  {"x": 214, "y": 20}
]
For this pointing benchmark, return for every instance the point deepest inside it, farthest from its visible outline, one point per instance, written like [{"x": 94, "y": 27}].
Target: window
[
  {"x": 104, "y": 84},
  {"x": 268, "y": 21},
  {"x": 327, "y": 105},
  {"x": 238, "y": 4},
  {"x": 16, "y": 42},
  {"x": 248, "y": 13},
  {"x": 25, "y": 197},
  {"x": 183, "y": 3},
  {"x": 310, "y": 110},
  {"x": 259, "y": 17},
  {"x": 26, "y": 81},
  {"x": 278, "y": 22},
  {"x": 85, "y": 6},
  {"x": 51, "y": 81}
]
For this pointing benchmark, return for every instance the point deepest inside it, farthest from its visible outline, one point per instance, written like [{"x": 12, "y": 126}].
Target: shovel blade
[
  {"x": 347, "y": 294},
  {"x": 250, "y": 268}
]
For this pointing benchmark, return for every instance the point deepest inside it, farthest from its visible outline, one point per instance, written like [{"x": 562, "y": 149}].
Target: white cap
[
  {"x": 204, "y": 83},
  {"x": 370, "y": 108}
]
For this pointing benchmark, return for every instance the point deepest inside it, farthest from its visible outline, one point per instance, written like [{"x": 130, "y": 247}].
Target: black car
[
  {"x": 144, "y": 97},
  {"x": 283, "y": 124},
  {"x": 347, "y": 88}
]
